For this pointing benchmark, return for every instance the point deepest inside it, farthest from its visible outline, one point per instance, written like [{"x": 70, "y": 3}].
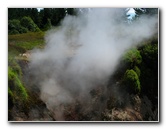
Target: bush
[
  {"x": 18, "y": 27},
  {"x": 132, "y": 81},
  {"x": 23, "y": 30},
  {"x": 15, "y": 27},
  {"x": 14, "y": 24},
  {"x": 28, "y": 23},
  {"x": 150, "y": 55},
  {"x": 13, "y": 32},
  {"x": 133, "y": 57}
]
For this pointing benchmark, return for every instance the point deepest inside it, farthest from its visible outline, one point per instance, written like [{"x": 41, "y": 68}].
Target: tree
[
  {"x": 48, "y": 24},
  {"x": 34, "y": 14},
  {"x": 28, "y": 23},
  {"x": 46, "y": 14},
  {"x": 149, "y": 68},
  {"x": 70, "y": 11},
  {"x": 16, "y": 13},
  {"x": 57, "y": 15},
  {"x": 14, "y": 27}
]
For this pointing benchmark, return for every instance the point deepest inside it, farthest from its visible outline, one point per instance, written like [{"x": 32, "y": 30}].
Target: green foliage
[
  {"x": 15, "y": 27},
  {"x": 133, "y": 56},
  {"x": 28, "y": 23},
  {"x": 16, "y": 88},
  {"x": 71, "y": 11},
  {"x": 137, "y": 70},
  {"x": 55, "y": 14},
  {"x": 40, "y": 18},
  {"x": 20, "y": 43},
  {"x": 150, "y": 52},
  {"x": 149, "y": 68},
  {"x": 48, "y": 25},
  {"x": 14, "y": 24},
  {"x": 132, "y": 81},
  {"x": 15, "y": 67}
]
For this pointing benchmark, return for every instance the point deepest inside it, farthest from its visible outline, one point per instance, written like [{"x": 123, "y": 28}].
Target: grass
[
  {"x": 26, "y": 41},
  {"x": 20, "y": 43},
  {"x": 30, "y": 36}
]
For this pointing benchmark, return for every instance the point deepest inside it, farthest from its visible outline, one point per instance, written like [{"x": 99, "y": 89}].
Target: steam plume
[{"x": 83, "y": 53}]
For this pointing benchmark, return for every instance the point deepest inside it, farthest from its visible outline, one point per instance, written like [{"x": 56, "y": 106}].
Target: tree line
[{"x": 40, "y": 20}]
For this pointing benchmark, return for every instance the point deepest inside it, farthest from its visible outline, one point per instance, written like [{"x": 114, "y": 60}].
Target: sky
[
  {"x": 131, "y": 13},
  {"x": 39, "y": 9}
]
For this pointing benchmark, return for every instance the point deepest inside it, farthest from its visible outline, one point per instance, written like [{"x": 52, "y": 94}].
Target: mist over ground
[{"x": 83, "y": 53}]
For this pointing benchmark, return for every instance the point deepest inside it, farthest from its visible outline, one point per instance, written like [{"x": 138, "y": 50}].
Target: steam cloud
[{"x": 82, "y": 54}]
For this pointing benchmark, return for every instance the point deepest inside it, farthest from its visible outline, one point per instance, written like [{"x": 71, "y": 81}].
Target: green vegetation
[
  {"x": 16, "y": 87},
  {"x": 132, "y": 80},
  {"x": 133, "y": 57},
  {"x": 15, "y": 27},
  {"x": 14, "y": 66},
  {"x": 137, "y": 70},
  {"x": 20, "y": 43},
  {"x": 16, "y": 90},
  {"x": 27, "y": 41},
  {"x": 149, "y": 68},
  {"x": 23, "y": 20},
  {"x": 24, "y": 25},
  {"x": 28, "y": 23},
  {"x": 140, "y": 71}
]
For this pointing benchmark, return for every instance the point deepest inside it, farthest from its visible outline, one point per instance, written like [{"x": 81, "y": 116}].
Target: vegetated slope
[
  {"x": 131, "y": 94},
  {"x": 136, "y": 85},
  {"x": 23, "y": 104}
]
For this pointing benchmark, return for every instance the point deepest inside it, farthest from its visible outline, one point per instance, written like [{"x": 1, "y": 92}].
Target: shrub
[
  {"x": 150, "y": 55},
  {"x": 15, "y": 27},
  {"x": 14, "y": 24},
  {"x": 13, "y": 32},
  {"x": 132, "y": 81},
  {"x": 23, "y": 30},
  {"x": 133, "y": 57},
  {"x": 28, "y": 23}
]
